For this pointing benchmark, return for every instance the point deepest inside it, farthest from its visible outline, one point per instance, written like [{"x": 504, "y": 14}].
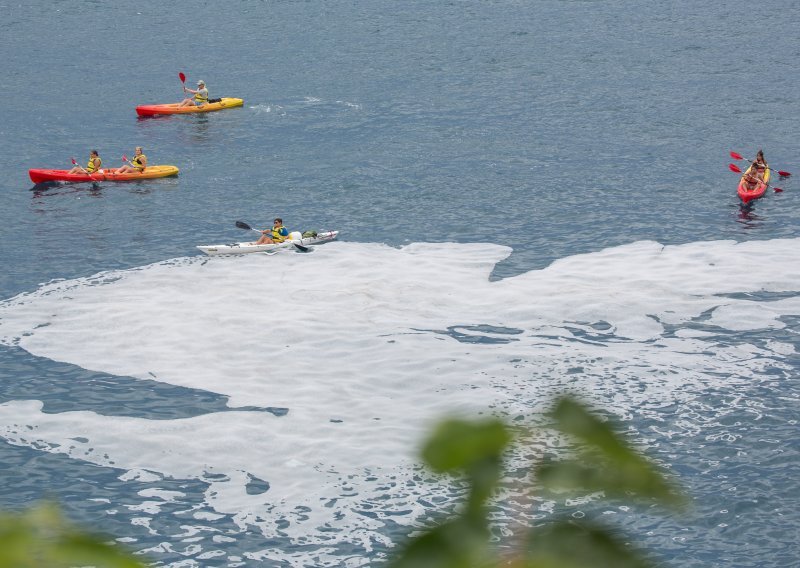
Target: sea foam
[{"x": 368, "y": 345}]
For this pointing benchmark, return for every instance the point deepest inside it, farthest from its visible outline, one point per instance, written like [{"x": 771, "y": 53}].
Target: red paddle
[
  {"x": 736, "y": 156},
  {"x": 182, "y": 77},
  {"x": 736, "y": 169}
]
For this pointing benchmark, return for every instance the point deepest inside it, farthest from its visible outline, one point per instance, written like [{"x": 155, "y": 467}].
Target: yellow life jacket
[
  {"x": 137, "y": 162},
  {"x": 200, "y": 97},
  {"x": 279, "y": 234},
  {"x": 90, "y": 167}
]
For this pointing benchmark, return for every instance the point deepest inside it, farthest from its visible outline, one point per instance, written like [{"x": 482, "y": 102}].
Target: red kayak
[
  {"x": 749, "y": 195},
  {"x": 150, "y": 172}
]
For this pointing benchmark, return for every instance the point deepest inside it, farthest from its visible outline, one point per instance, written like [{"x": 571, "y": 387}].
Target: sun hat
[{"x": 201, "y": 82}]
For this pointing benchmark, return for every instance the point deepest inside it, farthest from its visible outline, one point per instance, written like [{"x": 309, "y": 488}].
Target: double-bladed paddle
[
  {"x": 736, "y": 169},
  {"x": 246, "y": 227},
  {"x": 736, "y": 156}
]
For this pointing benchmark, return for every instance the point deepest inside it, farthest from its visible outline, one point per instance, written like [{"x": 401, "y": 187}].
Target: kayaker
[
  {"x": 760, "y": 164},
  {"x": 760, "y": 161},
  {"x": 94, "y": 164},
  {"x": 137, "y": 164},
  {"x": 277, "y": 234},
  {"x": 200, "y": 95},
  {"x": 752, "y": 178}
]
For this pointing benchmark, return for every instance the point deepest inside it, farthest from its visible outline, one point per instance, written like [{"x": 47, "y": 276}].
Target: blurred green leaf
[
  {"x": 41, "y": 537},
  {"x": 458, "y": 444},
  {"x": 87, "y": 549},
  {"x": 573, "y": 418},
  {"x": 605, "y": 462},
  {"x": 459, "y": 543},
  {"x": 571, "y": 545},
  {"x": 614, "y": 482},
  {"x": 473, "y": 448}
]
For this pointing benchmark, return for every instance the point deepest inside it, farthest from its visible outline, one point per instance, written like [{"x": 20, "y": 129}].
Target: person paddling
[
  {"x": 94, "y": 164},
  {"x": 137, "y": 164},
  {"x": 760, "y": 163},
  {"x": 200, "y": 95},
  {"x": 752, "y": 178},
  {"x": 277, "y": 234}
]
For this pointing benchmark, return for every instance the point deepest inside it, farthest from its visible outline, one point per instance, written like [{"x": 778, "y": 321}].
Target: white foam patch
[
  {"x": 265, "y": 108},
  {"x": 366, "y": 346}
]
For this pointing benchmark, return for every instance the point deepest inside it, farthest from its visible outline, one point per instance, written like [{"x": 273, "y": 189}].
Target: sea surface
[{"x": 533, "y": 198}]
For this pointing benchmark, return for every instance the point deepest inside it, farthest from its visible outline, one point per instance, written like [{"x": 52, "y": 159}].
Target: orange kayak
[
  {"x": 150, "y": 172},
  {"x": 175, "y": 108}
]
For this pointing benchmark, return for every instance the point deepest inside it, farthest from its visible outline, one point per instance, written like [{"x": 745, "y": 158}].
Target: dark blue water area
[{"x": 556, "y": 128}]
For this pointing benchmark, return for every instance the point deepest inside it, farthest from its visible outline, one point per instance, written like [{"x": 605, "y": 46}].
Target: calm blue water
[{"x": 556, "y": 128}]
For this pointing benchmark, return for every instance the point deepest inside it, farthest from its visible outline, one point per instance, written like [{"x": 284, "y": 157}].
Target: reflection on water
[
  {"x": 50, "y": 189},
  {"x": 195, "y": 125},
  {"x": 197, "y": 130},
  {"x": 43, "y": 191},
  {"x": 748, "y": 218}
]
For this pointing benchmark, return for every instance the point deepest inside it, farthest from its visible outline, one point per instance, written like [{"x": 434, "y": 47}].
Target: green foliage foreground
[
  {"x": 41, "y": 538},
  {"x": 600, "y": 462}
]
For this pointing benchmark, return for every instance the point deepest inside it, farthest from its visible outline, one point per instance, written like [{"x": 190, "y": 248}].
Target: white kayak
[{"x": 295, "y": 241}]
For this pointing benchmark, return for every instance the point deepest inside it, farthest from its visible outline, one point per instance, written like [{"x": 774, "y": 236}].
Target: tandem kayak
[
  {"x": 150, "y": 172},
  {"x": 175, "y": 108},
  {"x": 245, "y": 248},
  {"x": 747, "y": 196}
]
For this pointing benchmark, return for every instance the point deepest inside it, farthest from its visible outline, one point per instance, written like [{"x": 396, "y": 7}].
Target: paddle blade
[
  {"x": 734, "y": 168},
  {"x": 301, "y": 248},
  {"x": 784, "y": 174},
  {"x": 124, "y": 158},
  {"x": 182, "y": 77},
  {"x": 243, "y": 225},
  {"x": 74, "y": 162},
  {"x": 736, "y": 156},
  {"x": 777, "y": 189}
]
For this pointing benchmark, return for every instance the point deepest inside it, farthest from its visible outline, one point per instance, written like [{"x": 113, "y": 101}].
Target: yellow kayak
[{"x": 175, "y": 108}]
